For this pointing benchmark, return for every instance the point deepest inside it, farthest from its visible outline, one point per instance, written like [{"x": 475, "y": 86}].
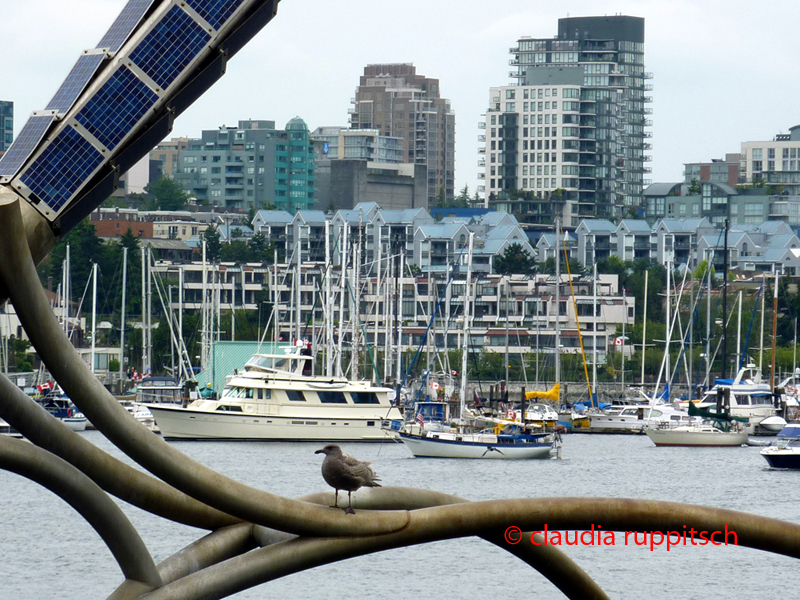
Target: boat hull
[
  {"x": 186, "y": 423},
  {"x": 690, "y": 437},
  {"x": 783, "y": 458},
  {"x": 427, "y": 447}
]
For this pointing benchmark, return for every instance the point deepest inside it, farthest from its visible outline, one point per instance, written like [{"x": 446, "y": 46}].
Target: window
[
  {"x": 510, "y": 94},
  {"x": 332, "y": 397},
  {"x": 364, "y": 398},
  {"x": 295, "y": 396}
]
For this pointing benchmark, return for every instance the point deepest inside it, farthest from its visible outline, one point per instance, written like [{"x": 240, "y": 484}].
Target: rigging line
[
  {"x": 750, "y": 328},
  {"x": 578, "y": 323}
]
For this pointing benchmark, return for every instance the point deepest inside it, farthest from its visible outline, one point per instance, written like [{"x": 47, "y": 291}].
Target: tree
[
  {"x": 462, "y": 200},
  {"x": 168, "y": 194},
  {"x": 694, "y": 187},
  {"x": 575, "y": 266},
  {"x": 515, "y": 259},
  {"x": 213, "y": 243},
  {"x": 701, "y": 272}
]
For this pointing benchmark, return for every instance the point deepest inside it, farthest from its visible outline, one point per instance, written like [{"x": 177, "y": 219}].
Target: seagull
[{"x": 343, "y": 472}]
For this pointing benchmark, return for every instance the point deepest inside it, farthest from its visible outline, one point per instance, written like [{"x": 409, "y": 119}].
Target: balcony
[
  {"x": 648, "y": 75},
  {"x": 481, "y": 138}
]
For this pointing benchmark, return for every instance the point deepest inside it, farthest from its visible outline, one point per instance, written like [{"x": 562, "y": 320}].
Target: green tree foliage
[
  {"x": 701, "y": 272},
  {"x": 213, "y": 242},
  {"x": 168, "y": 195},
  {"x": 515, "y": 259},
  {"x": 575, "y": 266}
]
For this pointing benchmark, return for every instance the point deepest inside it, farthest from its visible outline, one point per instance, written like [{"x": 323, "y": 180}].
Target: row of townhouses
[{"x": 522, "y": 309}]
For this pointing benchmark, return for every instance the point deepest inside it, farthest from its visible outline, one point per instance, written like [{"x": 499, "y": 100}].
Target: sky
[{"x": 724, "y": 72}]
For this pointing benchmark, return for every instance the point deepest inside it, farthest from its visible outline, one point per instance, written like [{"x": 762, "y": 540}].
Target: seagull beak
[{"x": 319, "y": 452}]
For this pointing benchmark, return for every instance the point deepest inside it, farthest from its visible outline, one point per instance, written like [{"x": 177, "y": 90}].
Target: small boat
[
  {"x": 696, "y": 434},
  {"x": 510, "y": 443},
  {"x": 785, "y": 451},
  {"x": 62, "y": 408},
  {"x": 6, "y": 429}
]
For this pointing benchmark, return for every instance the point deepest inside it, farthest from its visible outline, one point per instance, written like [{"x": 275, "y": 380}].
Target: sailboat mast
[
  {"x": 724, "y": 369},
  {"x": 594, "y": 331},
  {"x": 328, "y": 303},
  {"x": 465, "y": 336},
  {"x": 122, "y": 313},
  {"x": 774, "y": 332},
  {"x": 558, "y": 301},
  {"x": 342, "y": 283},
  {"x": 763, "y": 310},
  {"x": 204, "y": 311},
  {"x": 624, "y": 318},
  {"x": 144, "y": 313},
  {"x": 94, "y": 313},
  {"x": 644, "y": 323}
]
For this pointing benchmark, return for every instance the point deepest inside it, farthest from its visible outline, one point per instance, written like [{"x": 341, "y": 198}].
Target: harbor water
[{"x": 48, "y": 551}]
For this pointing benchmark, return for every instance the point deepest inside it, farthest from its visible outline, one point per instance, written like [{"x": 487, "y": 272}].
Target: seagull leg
[
  {"x": 336, "y": 499},
  {"x": 349, "y": 510}
]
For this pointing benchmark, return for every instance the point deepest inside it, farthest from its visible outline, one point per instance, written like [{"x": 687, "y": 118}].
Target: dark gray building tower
[{"x": 613, "y": 116}]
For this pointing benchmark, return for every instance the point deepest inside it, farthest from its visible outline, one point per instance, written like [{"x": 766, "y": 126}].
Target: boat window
[
  {"x": 654, "y": 413},
  {"x": 229, "y": 408},
  {"x": 248, "y": 393},
  {"x": 295, "y": 396},
  {"x": 743, "y": 400},
  {"x": 332, "y": 397},
  {"x": 364, "y": 398},
  {"x": 264, "y": 394}
]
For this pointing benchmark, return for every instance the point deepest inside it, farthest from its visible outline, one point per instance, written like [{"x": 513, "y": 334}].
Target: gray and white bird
[{"x": 343, "y": 472}]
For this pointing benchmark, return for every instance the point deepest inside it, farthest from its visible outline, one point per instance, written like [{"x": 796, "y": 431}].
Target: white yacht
[
  {"x": 635, "y": 419},
  {"x": 749, "y": 397},
  {"x": 696, "y": 434},
  {"x": 276, "y": 397}
]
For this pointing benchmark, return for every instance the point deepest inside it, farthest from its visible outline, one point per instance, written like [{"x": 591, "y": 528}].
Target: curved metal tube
[
  {"x": 209, "y": 550},
  {"x": 113, "y": 475},
  {"x": 153, "y": 453},
  {"x": 479, "y": 519},
  {"x": 82, "y": 494},
  {"x": 552, "y": 563}
]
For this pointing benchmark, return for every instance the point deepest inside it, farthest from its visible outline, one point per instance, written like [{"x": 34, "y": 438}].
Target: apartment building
[
  {"x": 397, "y": 102},
  {"x": 600, "y": 136}
]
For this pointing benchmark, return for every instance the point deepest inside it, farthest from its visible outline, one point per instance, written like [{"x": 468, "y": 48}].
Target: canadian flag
[
  {"x": 45, "y": 387},
  {"x": 434, "y": 385},
  {"x": 620, "y": 341}
]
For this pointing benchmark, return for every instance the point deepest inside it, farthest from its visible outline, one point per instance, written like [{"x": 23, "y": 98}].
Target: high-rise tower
[
  {"x": 588, "y": 84},
  {"x": 397, "y": 102},
  {"x": 6, "y": 124}
]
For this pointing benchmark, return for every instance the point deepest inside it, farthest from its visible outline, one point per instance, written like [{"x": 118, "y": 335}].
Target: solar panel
[
  {"x": 124, "y": 25},
  {"x": 116, "y": 107},
  {"x": 215, "y": 12},
  {"x": 170, "y": 47},
  {"x": 25, "y": 144},
  {"x": 61, "y": 168},
  {"x": 75, "y": 82}
]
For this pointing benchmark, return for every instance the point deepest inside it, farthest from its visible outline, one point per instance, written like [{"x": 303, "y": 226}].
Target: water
[{"x": 48, "y": 551}]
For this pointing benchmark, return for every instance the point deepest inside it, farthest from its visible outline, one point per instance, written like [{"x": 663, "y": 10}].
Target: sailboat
[{"x": 429, "y": 435}]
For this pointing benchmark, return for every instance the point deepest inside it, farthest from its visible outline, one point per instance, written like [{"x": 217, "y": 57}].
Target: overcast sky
[{"x": 724, "y": 71}]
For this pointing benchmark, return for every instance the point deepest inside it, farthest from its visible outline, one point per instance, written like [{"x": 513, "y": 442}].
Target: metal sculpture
[{"x": 255, "y": 536}]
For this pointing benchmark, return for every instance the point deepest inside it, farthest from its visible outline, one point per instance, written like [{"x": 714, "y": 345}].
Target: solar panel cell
[
  {"x": 170, "y": 47},
  {"x": 75, "y": 82},
  {"x": 61, "y": 169},
  {"x": 215, "y": 12},
  {"x": 124, "y": 25},
  {"x": 25, "y": 144},
  {"x": 116, "y": 107}
]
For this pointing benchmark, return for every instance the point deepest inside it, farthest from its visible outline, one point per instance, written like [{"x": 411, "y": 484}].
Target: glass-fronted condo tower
[{"x": 589, "y": 88}]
